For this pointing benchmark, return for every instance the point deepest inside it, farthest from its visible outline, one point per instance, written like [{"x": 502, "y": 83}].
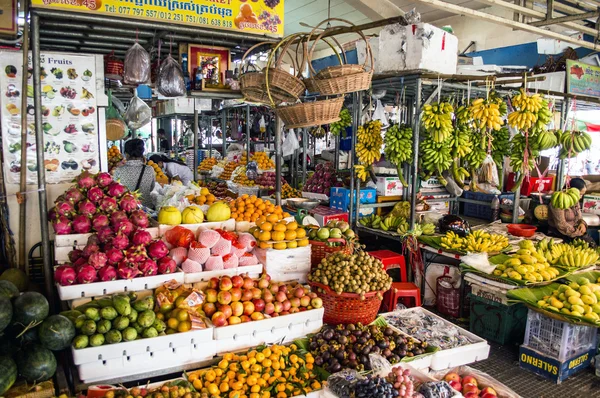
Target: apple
[
  {"x": 295, "y": 301},
  {"x": 471, "y": 394},
  {"x": 470, "y": 379},
  {"x": 218, "y": 319},
  {"x": 263, "y": 283},
  {"x": 257, "y": 316},
  {"x": 312, "y": 295},
  {"x": 256, "y": 293},
  {"x": 267, "y": 277},
  {"x": 224, "y": 297},
  {"x": 275, "y": 314},
  {"x": 284, "y": 313},
  {"x": 237, "y": 308},
  {"x": 278, "y": 307},
  {"x": 317, "y": 302},
  {"x": 456, "y": 385},
  {"x": 280, "y": 296},
  {"x": 452, "y": 377},
  {"x": 246, "y": 295},
  {"x": 225, "y": 283},
  {"x": 237, "y": 281},
  {"x": 248, "y": 283},
  {"x": 209, "y": 309},
  {"x": 274, "y": 288},
  {"x": 259, "y": 305},
  {"x": 267, "y": 296},
  {"x": 283, "y": 288},
  {"x": 234, "y": 320},
  {"x": 470, "y": 387},
  {"x": 294, "y": 310},
  {"x": 488, "y": 395},
  {"x": 248, "y": 308},
  {"x": 489, "y": 391},
  {"x": 299, "y": 292},
  {"x": 287, "y": 305},
  {"x": 211, "y": 295},
  {"x": 269, "y": 308},
  {"x": 226, "y": 310},
  {"x": 245, "y": 318},
  {"x": 305, "y": 301},
  {"x": 236, "y": 294},
  {"x": 213, "y": 283}
]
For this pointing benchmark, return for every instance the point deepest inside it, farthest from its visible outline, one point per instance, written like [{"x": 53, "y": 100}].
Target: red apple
[
  {"x": 294, "y": 310},
  {"x": 247, "y": 295},
  {"x": 237, "y": 308},
  {"x": 237, "y": 281},
  {"x": 305, "y": 301},
  {"x": 218, "y": 319},
  {"x": 295, "y": 301},
  {"x": 211, "y": 295},
  {"x": 267, "y": 296},
  {"x": 302, "y": 309},
  {"x": 248, "y": 283},
  {"x": 259, "y": 305},
  {"x": 256, "y": 293},
  {"x": 471, "y": 394},
  {"x": 245, "y": 318},
  {"x": 452, "y": 377},
  {"x": 248, "y": 308},
  {"x": 470, "y": 387},
  {"x": 299, "y": 292},
  {"x": 312, "y": 295},
  {"x": 278, "y": 307},
  {"x": 225, "y": 283},
  {"x": 275, "y": 314},
  {"x": 209, "y": 309},
  {"x": 263, "y": 283},
  {"x": 236, "y": 294},
  {"x": 224, "y": 297},
  {"x": 284, "y": 313},
  {"x": 274, "y": 288},
  {"x": 469, "y": 379},
  {"x": 213, "y": 283},
  {"x": 456, "y": 385},
  {"x": 226, "y": 310},
  {"x": 267, "y": 277},
  {"x": 269, "y": 308},
  {"x": 234, "y": 320},
  {"x": 489, "y": 391},
  {"x": 287, "y": 305},
  {"x": 317, "y": 302},
  {"x": 488, "y": 395},
  {"x": 283, "y": 288},
  {"x": 281, "y": 297},
  {"x": 257, "y": 316}
]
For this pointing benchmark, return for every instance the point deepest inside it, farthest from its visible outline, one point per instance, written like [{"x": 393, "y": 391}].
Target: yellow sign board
[{"x": 246, "y": 16}]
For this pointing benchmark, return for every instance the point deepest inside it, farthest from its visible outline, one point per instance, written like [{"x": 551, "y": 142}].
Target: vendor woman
[
  {"x": 135, "y": 174},
  {"x": 568, "y": 224},
  {"x": 174, "y": 169}
]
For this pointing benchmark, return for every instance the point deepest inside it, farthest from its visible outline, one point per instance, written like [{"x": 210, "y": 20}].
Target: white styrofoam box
[
  {"x": 195, "y": 277},
  {"x": 389, "y": 186},
  {"x": 361, "y": 52},
  {"x": 417, "y": 47},
  {"x": 489, "y": 289},
  {"x": 279, "y": 329},
  {"x": 228, "y": 225},
  {"x": 289, "y": 264},
  {"x": 72, "y": 240},
  {"x": 477, "y": 70},
  {"x": 555, "y": 81}
]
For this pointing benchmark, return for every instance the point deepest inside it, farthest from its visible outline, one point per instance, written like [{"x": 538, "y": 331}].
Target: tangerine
[
  {"x": 300, "y": 233},
  {"x": 292, "y": 244},
  {"x": 280, "y": 246},
  {"x": 292, "y": 226},
  {"x": 280, "y": 227},
  {"x": 278, "y": 235},
  {"x": 290, "y": 235},
  {"x": 303, "y": 242},
  {"x": 272, "y": 218}
]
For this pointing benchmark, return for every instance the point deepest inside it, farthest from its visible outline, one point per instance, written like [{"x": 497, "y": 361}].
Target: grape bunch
[
  {"x": 401, "y": 381},
  {"x": 375, "y": 387},
  {"x": 271, "y": 3}
]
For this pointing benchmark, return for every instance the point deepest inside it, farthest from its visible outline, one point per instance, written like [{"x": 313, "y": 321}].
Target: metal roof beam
[
  {"x": 92, "y": 36},
  {"x": 568, "y": 18},
  {"x": 95, "y": 28}
]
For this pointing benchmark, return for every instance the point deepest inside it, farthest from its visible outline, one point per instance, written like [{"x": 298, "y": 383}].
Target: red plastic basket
[
  {"x": 347, "y": 307},
  {"x": 448, "y": 298},
  {"x": 319, "y": 250}
]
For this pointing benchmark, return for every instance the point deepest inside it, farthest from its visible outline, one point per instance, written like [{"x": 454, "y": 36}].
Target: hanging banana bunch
[
  {"x": 437, "y": 120},
  {"x": 544, "y": 116},
  {"x": 486, "y": 114},
  {"x": 572, "y": 143},
  {"x": 462, "y": 114},
  {"x": 461, "y": 147},
  {"x": 318, "y": 132},
  {"x": 526, "y": 111},
  {"x": 436, "y": 157},
  {"x": 340, "y": 126},
  {"x": 546, "y": 139},
  {"x": 398, "y": 147},
  {"x": 500, "y": 145},
  {"x": 521, "y": 149},
  {"x": 368, "y": 147}
]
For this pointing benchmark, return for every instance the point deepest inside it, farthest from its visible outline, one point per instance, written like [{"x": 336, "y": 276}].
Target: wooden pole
[{"x": 22, "y": 197}]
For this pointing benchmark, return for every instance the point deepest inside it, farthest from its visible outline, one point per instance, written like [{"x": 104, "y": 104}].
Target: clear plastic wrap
[
  {"x": 436, "y": 389},
  {"x": 488, "y": 174},
  {"x": 341, "y": 384},
  {"x": 170, "y": 81},
  {"x": 137, "y": 65},
  {"x": 483, "y": 380},
  {"x": 138, "y": 114}
]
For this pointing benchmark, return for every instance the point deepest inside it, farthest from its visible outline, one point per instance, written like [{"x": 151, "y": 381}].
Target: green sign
[{"x": 583, "y": 79}]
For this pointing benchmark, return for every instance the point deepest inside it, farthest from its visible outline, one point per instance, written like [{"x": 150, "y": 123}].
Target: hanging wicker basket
[{"x": 309, "y": 114}]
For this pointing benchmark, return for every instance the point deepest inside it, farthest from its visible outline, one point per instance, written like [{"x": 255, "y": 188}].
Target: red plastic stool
[
  {"x": 391, "y": 260},
  {"x": 402, "y": 291}
]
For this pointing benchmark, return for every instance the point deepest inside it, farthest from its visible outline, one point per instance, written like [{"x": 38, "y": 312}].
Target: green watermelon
[
  {"x": 30, "y": 336},
  {"x": 8, "y": 373},
  {"x": 17, "y": 277},
  {"x": 36, "y": 363},
  {"x": 8, "y": 289},
  {"x": 30, "y": 307},
  {"x": 56, "y": 332},
  {"x": 6, "y": 312}
]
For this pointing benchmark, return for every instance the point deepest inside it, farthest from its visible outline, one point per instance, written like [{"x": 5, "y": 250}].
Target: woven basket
[
  {"x": 319, "y": 250},
  {"x": 347, "y": 307},
  {"x": 115, "y": 129},
  {"x": 311, "y": 113}
]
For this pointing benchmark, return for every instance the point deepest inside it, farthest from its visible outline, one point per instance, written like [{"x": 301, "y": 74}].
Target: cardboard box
[
  {"x": 532, "y": 185},
  {"x": 551, "y": 368},
  {"x": 389, "y": 186},
  {"x": 591, "y": 204},
  {"x": 339, "y": 198},
  {"x": 325, "y": 214}
]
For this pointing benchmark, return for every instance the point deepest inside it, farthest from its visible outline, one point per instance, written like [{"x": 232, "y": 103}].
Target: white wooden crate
[
  {"x": 73, "y": 240},
  {"x": 228, "y": 225},
  {"x": 198, "y": 277},
  {"x": 286, "y": 265}
]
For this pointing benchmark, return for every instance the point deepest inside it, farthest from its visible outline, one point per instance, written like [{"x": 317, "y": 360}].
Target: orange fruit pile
[
  {"x": 204, "y": 198},
  {"x": 207, "y": 164},
  {"x": 250, "y": 208},
  {"x": 229, "y": 168},
  {"x": 263, "y": 161},
  {"x": 274, "y": 232}
]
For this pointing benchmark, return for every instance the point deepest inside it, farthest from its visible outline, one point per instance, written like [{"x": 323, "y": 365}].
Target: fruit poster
[
  {"x": 69, "y": 118},
  {"x": 583, "y": 79}
]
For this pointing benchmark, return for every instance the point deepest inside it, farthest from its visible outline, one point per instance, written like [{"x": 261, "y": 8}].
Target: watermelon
[
  {"x": 56, "y": 332},
  {"x": 6, "y": 312},
  {"x": 7, "y": 347},
  {"x": 8, "y": 289},
  {"x": 30, "y": 307},
  {"x": 8, "y": 373},
  {"x": 17, "y": 277},
  {"x": 36, "y": 363}
]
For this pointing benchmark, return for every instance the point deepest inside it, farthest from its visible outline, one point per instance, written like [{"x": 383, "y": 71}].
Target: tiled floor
[{"x": 503, "y": 364}]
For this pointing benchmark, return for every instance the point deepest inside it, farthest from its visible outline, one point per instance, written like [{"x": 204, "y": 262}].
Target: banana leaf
[
  {"x": 592, "y": 276},
  {"x": 572, "y": 269},
  {"x": 430, "y": 240},
  {"x": 531, "y": 296},
  {"x": 499, "y": 259}
]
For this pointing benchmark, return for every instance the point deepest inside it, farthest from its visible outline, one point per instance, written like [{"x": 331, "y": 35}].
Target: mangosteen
[
  {"x": 342, "y": 339},
  {"x": 386, "y": 353},
  {"x": 319, "y": 361},
  {"x": 340, "y": 354},
  {"x": 352, "y": 364},
  {"x": 336, "y": 368},
  {"x": 328, "y": 335},
  {"x": 375, "y": 350},
  {"x": 362, "y": 340},
  {"x": 350, "y": 326},
  {"x": 383, "y": 344},
  {"x": 326, "y": 355},
  {"x": 366, "y": 350},
  {"x": 352, "y": 339},
  {"x": 388, "y": 331},
  {"x": 351, "y": 356},
  {"x": 401, "y": 353}
]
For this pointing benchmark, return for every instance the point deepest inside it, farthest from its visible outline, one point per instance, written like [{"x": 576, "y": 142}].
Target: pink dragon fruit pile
[
  {"x": 322, "y": 180},
  {"x": 216, "y": 250},
  {"x": 94, "y": 203}
]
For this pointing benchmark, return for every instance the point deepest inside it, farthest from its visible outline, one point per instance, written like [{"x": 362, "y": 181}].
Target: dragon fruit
[
  {"x": 65, "y": 275},
  {"x": 103, "y": 180},
  {"x": 89, "y": 249},
  {"x": 82, "y": 224},
  {"x": 79, "y": 263},
  {"x": 62, "y": 225},
  {"x": 116, "y": 190},
  {"x": 166, "y": 265},
  {"x": 125, "y": 226},
  {"x": 74, "y": 195},
  {"x": 157, "y": 249},
  {"x": 230, "y": 261},
  {"x": 248, "y": 259},
  {"x": 141, "y": 237},
  {"x": 100, "y": 221},
  {"x": 114, "y": 256},
  {"x": 137, "y": 254},
  {"x": 148, "y": 267},
  {"x": 107, "y": 273},
  {"x": 237, "y": 248},
  {"x": 86, "y": 274},
  {"x": 222, "y": 248},
  {"x": 127, "y": 270},
  {"x": 129, "y": 202},
  {"x": 95, "y": 195},
  {"x": 117, "y": 217},
  {"x": 209, "y": 238},
  {"x": 86, "y": 180},
  {"x": 178, "y": 254},
  {"x": 139, "y": 218},
  {"x": 93, "y": 240},
  {"x": 64, "y": 208},
  {"x": 86, "y": 208},
  {"x": 198, "y": 252},
  {"x": 52, "y": 214},
  {"x": 75, "y": 254},
  {"x": 98, "y": 260},
  {"x": 247, "y": 240},
  {"x": 214, "y": 263},
  {"x": 105, "y": 235},
  {"x": 120, "y": 241},
  {"x": 108, "y": 204},
  {"x": 190, "y": 266}
]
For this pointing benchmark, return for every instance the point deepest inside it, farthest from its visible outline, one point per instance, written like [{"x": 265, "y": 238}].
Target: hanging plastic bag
[
  {"x": 290, "y": 144},
  {"x": 379, "y": 113},
  {"x": 170, "y": 81},
  {"x": 262, "y": 125},
  {"x": 138, "y": 114},
  {"x": 489, "y": 172},
  {"x": 115, "y": 126},
  {"x": 137, "y": 65}
]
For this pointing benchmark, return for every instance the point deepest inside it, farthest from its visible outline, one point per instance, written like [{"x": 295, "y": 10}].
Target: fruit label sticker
[
  {"x": 248, "y": 16},
  {"x": 69, "y": 117}
]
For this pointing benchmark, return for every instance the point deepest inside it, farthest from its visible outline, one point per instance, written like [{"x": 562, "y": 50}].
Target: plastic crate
[
  {"x": 481, "y": 211},
  {"x": 556, "y": 339},
  {"x": 502, "y": 324}
]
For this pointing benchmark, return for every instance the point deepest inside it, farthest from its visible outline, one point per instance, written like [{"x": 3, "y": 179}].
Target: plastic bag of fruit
[
  {"x": 136, "y": 65},
  {"x": 170, "y": 81},
  {"x": 469, "y": 380},
  {"x": 179, "y": 236},
  {"x": 341, "y": 384}
]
